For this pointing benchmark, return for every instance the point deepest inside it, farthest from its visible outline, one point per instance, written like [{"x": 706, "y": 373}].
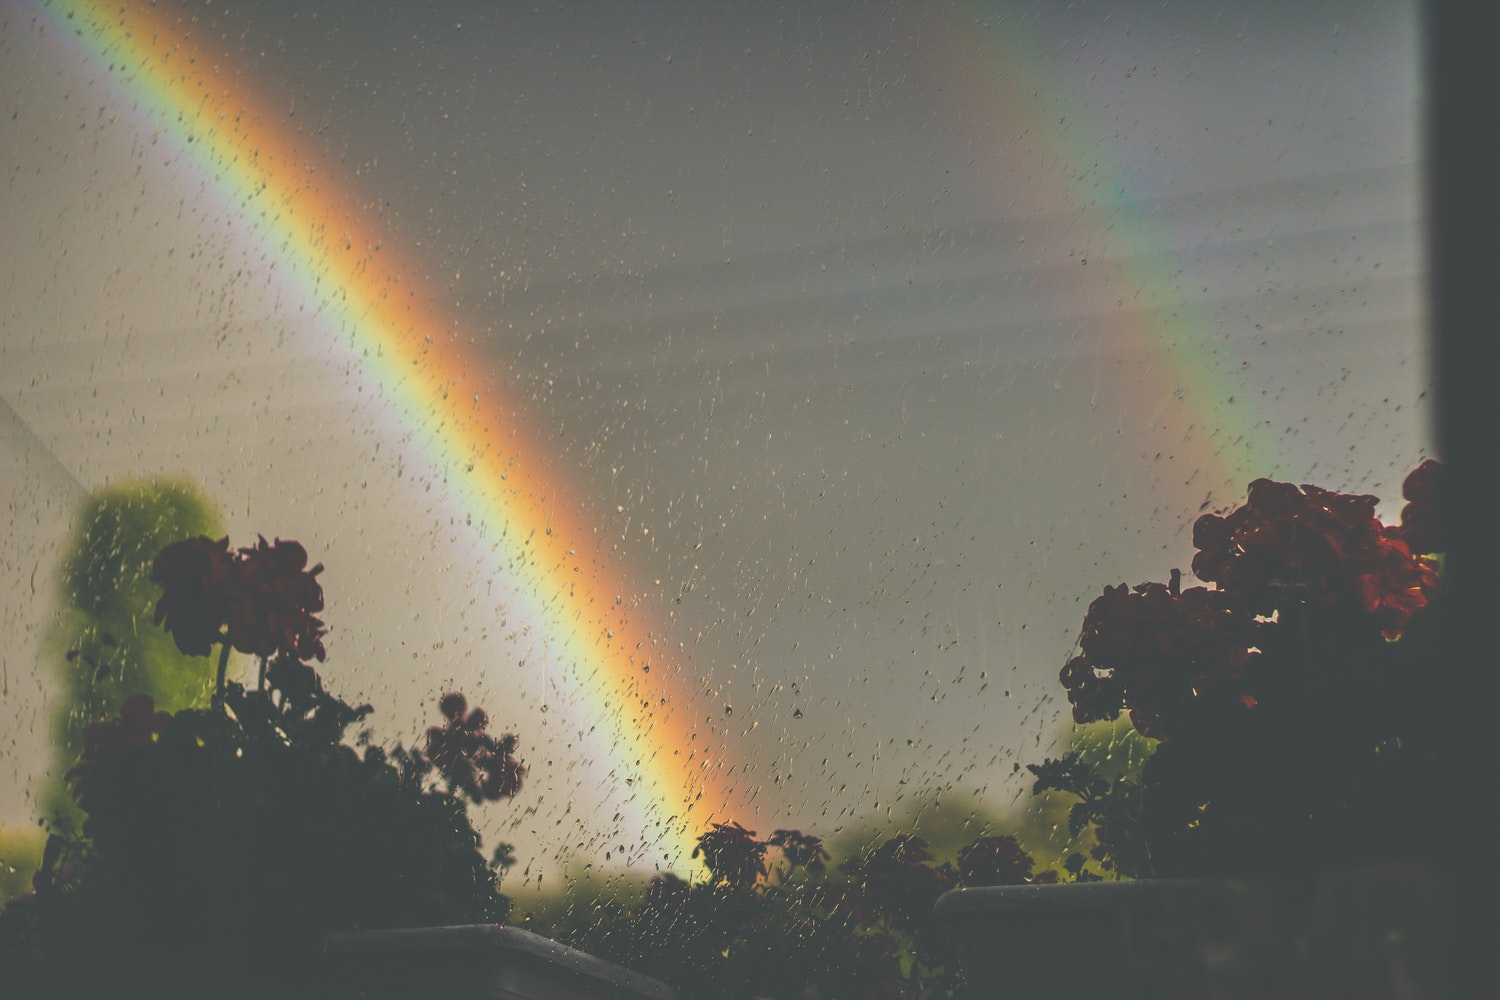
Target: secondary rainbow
[
  {"x": 421, "y": 359},
  {"x": 1176, "y": 393}
]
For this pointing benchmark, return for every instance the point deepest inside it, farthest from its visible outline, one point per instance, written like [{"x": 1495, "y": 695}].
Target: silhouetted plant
[
  {"x": 1299, "y": 706},
  {"x": 242, "y": 833},
  {"x": 773, "y": 920}
]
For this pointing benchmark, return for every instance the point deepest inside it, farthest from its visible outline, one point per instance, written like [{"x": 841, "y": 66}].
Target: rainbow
[
  {"x": 422, "y": 360},
  {"x": 1176, "y": 392}
]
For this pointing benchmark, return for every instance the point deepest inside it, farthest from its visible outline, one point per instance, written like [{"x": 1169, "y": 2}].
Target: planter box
[
  {"x": 1365, "y": 935},
  {"x": 475, "y": 962}
]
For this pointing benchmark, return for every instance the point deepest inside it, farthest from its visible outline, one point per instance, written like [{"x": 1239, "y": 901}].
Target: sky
[{"x": 825, "y": 359}]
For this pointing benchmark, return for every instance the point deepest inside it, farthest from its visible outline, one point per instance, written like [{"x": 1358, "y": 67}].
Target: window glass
[{"x": 741, "y": 402}]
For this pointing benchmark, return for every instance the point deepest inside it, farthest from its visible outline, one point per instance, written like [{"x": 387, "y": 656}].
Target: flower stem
[{"x": 223, "y": 670}]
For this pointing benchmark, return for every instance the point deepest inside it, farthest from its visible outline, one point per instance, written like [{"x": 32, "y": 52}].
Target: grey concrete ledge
[
  {"x": 1358, "y": 933},
  {"x": 496, "y": 944},
  {"x": 1063, "y": 895}
]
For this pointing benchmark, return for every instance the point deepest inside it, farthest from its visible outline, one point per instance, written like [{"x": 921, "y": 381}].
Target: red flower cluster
[
  {"x": 470, "y": 758},
  {"x": 994, "y": 861},
  {"x": 896, "y": 880},
  {"x": 194, "y": 606},
  {"x": 261, "y": 600},
  {"x": 273, "y": 605},
  {"x": 1314, "y": 546},
  {"x": 1159, "y": 649},
  {"x": 733, "y": 855},
  {"x": 1421, "y": 523},
  {"x": 139, "y": 724},
  {"x": 1156, "y": 651}
]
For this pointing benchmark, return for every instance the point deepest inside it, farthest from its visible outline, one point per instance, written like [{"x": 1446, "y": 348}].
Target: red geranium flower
[
  {"x": 470, "y": 758},
  {"x": 1289, "y": 546},
  {"x": 1154, "y": 650},
  {"x": 1095, "y": 697},
  {"x": 274, "y": 600},
  {"x": 1421, "y": 518},
  {"x": 732, "y": 854},
  {"x": 1394, "y": 583},
  {"x": 194, "y": 576},
  {"x": 261, "y": 600}
]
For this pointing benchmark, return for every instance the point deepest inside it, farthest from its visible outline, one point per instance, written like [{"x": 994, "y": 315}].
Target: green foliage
[
  {"x": 775, "y": 920},
  {"x": 1095, "y": 783},
  {"x": 795, "y": 931},
  {"x": 105, "y": 647},
  {"x": 945, "y": 822},
  {"x": 1113, "y": 751},
  {"x": 20, "y": 857}
]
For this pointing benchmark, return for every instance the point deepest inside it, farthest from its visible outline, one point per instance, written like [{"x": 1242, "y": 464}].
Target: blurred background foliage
[
  {"x": 590, "y": 894},
  {"x": 104, "y": 647},
  {"x": 20, "y": 856}
]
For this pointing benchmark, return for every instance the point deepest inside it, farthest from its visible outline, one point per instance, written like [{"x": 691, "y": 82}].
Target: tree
[{"x": 105, "y": 648}]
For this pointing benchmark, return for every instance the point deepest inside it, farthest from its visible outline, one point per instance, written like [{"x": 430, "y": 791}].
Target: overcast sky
[{"x": 880, "y": 338}]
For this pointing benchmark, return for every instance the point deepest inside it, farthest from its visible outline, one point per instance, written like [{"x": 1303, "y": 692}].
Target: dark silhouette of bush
[
  {"x": 234, "y": 838},
  {"x": 1300, "y": 707}
]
